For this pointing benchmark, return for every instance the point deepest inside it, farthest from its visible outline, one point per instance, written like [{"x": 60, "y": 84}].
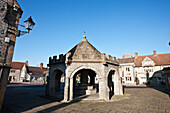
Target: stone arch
[
  {"x": 57, "y": 83},
  {"x": 84, "y": 67},
  {"x": 74, "y": 73},
  {"x": 57, "y": 68}
]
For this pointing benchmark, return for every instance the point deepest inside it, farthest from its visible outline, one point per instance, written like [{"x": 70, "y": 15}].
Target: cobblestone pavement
[{"x": 135, "y": 100}]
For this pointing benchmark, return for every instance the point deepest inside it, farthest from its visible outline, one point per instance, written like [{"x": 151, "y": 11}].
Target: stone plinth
[{"x": 90, "y": 90}]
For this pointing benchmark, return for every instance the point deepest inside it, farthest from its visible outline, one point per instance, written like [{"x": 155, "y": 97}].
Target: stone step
[
  {"x": 79, "y": 84},
  {"x": 91, "y": 91},
  {"x": 81, "y": 88},
  {"x": 79, "y": 92}
]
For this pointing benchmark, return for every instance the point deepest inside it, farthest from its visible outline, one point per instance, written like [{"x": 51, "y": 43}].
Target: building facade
[
  {"x": 126, "y": 69},
  {"x": 15, "y": 71},
  {"x": 143, "y": 69}
]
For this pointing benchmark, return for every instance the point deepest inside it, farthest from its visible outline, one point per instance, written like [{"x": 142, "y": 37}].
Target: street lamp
[{"x": 29, "y": 24}]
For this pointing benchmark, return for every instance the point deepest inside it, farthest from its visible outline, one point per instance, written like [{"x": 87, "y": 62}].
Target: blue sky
[{"x": 114, "y": 27}]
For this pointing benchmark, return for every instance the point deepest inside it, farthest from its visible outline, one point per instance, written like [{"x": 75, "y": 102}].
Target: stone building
[
  {"x": 85, "y": 61},
  {"x": 22, "y": 72},
  {"x": 15, "y": 71},
  {"x": 126, "y": 69},
  {"x": 37, "y": 74},
  {"x": 144, "y": 68},
  {"x": 10, "y": 13}
]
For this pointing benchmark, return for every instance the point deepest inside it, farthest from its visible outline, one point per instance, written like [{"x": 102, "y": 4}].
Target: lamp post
[{"x": 29, "y": 24}]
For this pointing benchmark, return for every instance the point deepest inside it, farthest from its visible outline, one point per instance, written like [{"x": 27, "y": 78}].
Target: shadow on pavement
[
  {"x": 56, "y": 107},
  {"x": 161, "y": 89},
  {"x": 26, "y": 98},
  {"x": 135, "y": 86}
]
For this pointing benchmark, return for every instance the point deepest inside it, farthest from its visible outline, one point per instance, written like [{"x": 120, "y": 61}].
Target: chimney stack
[
  {"x": 136, "y": 54},
  {"x": 117, "y": 60},
  {"x": 154, "y": 52},
  {"x": 26, "y": 63},
  {"x": 41, "y": 65}
]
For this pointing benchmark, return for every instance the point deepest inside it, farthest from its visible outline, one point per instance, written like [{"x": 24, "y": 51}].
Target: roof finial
[{"x": 84, "y": 37}]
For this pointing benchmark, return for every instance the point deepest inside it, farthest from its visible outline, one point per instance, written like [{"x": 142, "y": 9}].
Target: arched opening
[
  {"x": 85, "y": 83},
  {"x": 111, "y": 83},
  {"x": 58, "y": 84}
]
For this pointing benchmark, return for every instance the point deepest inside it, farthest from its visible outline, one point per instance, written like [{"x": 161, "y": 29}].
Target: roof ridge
[
  {"x": 156, "y": 54},
  {"x": 19, "y": 62}
]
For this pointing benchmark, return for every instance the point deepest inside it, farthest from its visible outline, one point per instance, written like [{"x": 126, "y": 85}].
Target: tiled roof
[
  {"x": 126, "y": 60},
  {"x": 17, "y": 65},
  {"x": 37, "y": 71},
  {"x": 159, "y": 59}
]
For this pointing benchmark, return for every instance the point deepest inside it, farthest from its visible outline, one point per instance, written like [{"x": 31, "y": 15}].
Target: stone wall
[
  {"x": 3, "y": 28},
  {"x": 9, "y": 19}
]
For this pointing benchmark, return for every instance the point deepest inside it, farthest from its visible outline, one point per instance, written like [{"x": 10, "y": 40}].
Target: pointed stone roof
[{"x": 84, "y": 50}]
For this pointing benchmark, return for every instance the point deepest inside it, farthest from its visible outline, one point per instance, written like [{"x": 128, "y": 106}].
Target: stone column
[
  {"x": 118, "y": 90},
  {"x": 84, "y": 77},
  {"x": 71, "y": 88},
  {"x": 52, "y": 85},
  {"x": 3, "y": 83},
  {"x": 47, "y": 88},
  {"x": 103, "y": 89},
  {"x": 100, "y": 88},
  {"x": 106, "y": 89},
  {"x": 66, "y": 89},
  {"x": 92, "y": 80}
]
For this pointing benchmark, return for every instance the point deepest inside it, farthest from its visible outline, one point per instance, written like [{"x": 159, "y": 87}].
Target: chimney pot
[
  {"x": 41, "y": 65},
  {"x": 154, "y": 52},
  {"x": 26, "y": 63},
  {"x": 136, "y": 54}
]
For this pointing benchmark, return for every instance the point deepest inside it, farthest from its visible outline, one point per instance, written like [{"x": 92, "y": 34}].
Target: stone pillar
[
  {"x": 52, "y": 85},
  {"x": 57, "y": 82},
  {"x": 71, "y": 88},
  {"x": 118, "y": 90},
  {"x": 3, "y": 83},
  {"x": 101, "y": 95},
  {"x": 47, "y": 88},
  {"x": 8, "y": 28},
  {"x": 92, "y": 79},
  {"x": 84, "y": 77},
  {"x": 66, "y": 89},
  {"x": 106, "y": 89},
  {"x": 103, "y": 89}
]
